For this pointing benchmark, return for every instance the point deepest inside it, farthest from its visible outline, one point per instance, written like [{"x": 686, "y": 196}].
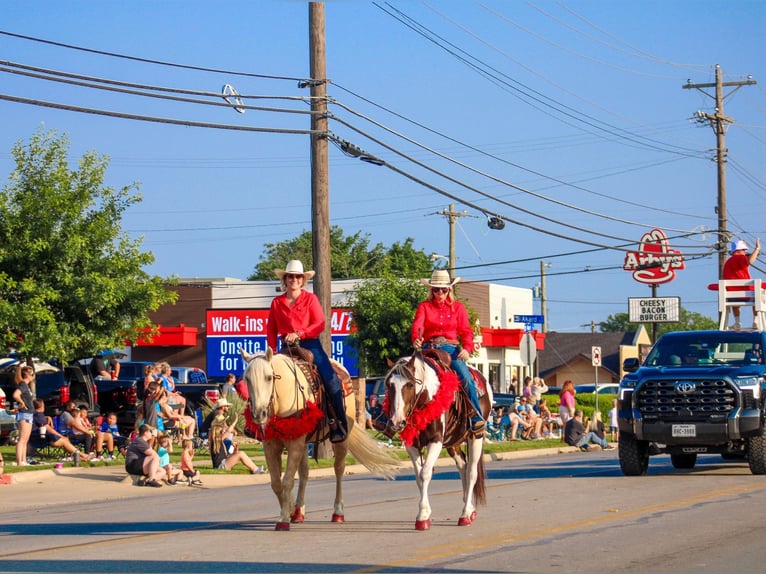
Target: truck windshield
[{"x": 705, "y": 348}]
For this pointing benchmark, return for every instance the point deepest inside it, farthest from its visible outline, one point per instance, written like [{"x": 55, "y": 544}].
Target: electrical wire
[
  {"x": 237, "y": 106},
  {"x": 505, "y": 182},
  {"x": 125, "y": 116},
  {"x": 150, "y": 61}
]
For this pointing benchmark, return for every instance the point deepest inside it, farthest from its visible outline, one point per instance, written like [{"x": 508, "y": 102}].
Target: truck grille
[{"x": 686, "y": 399}]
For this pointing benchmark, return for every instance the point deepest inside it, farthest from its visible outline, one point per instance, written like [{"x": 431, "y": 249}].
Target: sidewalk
[{"x": 72, "y": 485}]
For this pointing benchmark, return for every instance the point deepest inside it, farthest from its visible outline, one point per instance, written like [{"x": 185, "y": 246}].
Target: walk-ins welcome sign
[{"x": 229, "y": 330}]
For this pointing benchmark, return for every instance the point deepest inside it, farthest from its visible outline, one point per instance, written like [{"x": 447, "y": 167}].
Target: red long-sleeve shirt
[
  {"x": 433, "y": 319},
  {"x": 304, "y": 316}
]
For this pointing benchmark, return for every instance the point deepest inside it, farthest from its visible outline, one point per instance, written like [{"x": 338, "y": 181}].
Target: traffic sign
[
  {"x": 595, "y": 356},
  {"x": 528, "y": 349},
  {"x": 538, "y": 319}
]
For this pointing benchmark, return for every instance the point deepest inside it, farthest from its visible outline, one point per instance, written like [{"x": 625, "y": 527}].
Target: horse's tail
[
  {"x": 366, "y": 451},
  {"x": 479, "y": 490}
]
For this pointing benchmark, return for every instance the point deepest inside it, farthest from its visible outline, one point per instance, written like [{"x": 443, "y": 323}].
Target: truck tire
[
  {"x": 756, "y": 453},
  {"x": 683, "y": 460},
  {"x": 633, "y": 454}
]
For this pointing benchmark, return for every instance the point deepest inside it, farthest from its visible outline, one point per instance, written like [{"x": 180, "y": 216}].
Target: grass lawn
[{"x": 255, "y": 451}]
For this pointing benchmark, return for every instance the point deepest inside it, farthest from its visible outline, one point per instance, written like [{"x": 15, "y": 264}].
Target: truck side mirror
[{"x": 630, "y": 365}]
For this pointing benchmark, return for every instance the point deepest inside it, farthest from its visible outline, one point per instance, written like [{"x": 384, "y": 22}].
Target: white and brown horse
[
  {"x": 427, "y": 409},
  {"x": 283, "y": 409}
]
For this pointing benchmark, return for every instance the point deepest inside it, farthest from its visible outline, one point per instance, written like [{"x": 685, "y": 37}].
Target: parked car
[
  {"x": 603, "y": 389},
  {"x": 53, "y": 384}
]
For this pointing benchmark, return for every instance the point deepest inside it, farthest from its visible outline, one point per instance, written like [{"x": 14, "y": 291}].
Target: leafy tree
[
  {"x": 71, "y": 281},
  {"x": 351, "y": 257},
  {"x": 690, "y": 321},
  {"x": 383, "y": 312}
]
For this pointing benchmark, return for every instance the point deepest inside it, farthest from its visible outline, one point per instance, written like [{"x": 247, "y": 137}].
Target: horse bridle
[{"x": 403, "y": 370}]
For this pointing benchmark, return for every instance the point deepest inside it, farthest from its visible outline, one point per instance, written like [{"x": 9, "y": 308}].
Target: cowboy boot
[
  {"x": 477, "y": 420},
  {"x": 337, "y": 420}
]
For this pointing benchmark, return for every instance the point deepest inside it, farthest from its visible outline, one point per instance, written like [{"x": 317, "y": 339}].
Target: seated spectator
[
  {"x": 550, "y": 425},
  {"x": 596, "y": 425},
  {"x": 529, "y": 415},
  {"x": 221, "y": 458},
  {"x": 220, "y": 408},
  {"x": 151, "y": 374},
  {"x": 187, "y": 463},
  {"x": 575, "y": 435},
  {"x": 173, "y": 418},
  {"x": 43, "y": 431},
  {"x": 110, "y": 434},
  {"x": 175, "y": 399},
  {"x": 164, "y": 448},
  {"x": 142, "y": 460},
  {"x": 514, "y": 422},
  {"x": 377, "y": 420},
  {"x": 92, "y": 431},
  {"x": 72, "y": 426},
  {"x": 104, "y": 370}
]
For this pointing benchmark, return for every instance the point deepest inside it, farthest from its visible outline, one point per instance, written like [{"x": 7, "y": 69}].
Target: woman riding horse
[
  {"x": 297, "y": 317},
  {"x": 439, "y": 322}
]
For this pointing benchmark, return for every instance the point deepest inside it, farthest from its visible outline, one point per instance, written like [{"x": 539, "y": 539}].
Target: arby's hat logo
[{"x": 654, "y": 262}]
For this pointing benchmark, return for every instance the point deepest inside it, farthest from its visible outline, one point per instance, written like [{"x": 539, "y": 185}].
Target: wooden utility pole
[
  {"x": 719, "y": 122},
  {"x": 451, "y": 216},
  {"x": 320, "y": 179}
]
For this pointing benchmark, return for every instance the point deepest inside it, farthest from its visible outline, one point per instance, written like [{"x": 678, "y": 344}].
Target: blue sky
[{"x": 569, "y": 119}]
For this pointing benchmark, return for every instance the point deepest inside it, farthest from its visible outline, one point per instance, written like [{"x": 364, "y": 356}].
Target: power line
[{"x": 151, "y": 61}]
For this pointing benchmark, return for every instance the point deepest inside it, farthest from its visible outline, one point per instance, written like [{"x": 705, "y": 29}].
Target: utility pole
[
  {"x": 451, "y": 216},
  {"x": 719, "y": 122},
  {"x": 543, "y": 296},
  {"x": 320, "y": 179}
]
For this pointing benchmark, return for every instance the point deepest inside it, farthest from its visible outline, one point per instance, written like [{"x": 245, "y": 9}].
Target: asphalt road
[{"x": 572, "y": 512}]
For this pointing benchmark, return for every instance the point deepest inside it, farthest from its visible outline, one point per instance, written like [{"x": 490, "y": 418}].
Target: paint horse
[
  {"x": 284, "y": 414},
  {"x": 427, "y": 407}
]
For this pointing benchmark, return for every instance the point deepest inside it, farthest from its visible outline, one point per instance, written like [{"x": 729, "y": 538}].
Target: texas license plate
[{"x": 684, "y": 431}]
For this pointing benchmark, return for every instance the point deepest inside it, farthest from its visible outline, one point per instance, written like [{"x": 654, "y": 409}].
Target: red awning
[
  {"x": 181, "y": 336},
  {"x": 509, "y": 338}
]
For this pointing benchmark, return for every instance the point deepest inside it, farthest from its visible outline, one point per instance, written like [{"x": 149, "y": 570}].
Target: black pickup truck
[
  {"x": 123, "y": 395},
  {"x": 697, "y": 392}
]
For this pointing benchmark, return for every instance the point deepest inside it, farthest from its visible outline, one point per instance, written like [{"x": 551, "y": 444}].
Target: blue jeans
[
  {"x": 589, "y": 437},
  {"x": 463, "y": 374},
  {"x": 322, "y": 362}
]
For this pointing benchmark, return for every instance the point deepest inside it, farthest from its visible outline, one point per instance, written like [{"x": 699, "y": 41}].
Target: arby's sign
[{"x": 654, "y": 262}]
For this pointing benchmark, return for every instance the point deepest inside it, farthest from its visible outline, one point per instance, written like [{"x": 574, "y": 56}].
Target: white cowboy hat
[
  {"x": 440, "y": 278},
  {"x": 222, "y": 403},
  {"x": 294, "y": 267},
  {"x": 736, "y": 246}
]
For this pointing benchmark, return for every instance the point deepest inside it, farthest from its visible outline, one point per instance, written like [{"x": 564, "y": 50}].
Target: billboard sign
[
  {"x": 229, "y": 330},
  {"x": 654, "y": 262},
  {"x": 654, "y": 309}
]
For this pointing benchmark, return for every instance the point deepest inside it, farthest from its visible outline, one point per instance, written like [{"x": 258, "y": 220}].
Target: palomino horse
[
  {"x": 423, "y": 409},
  {"x": 282, "y": 406}
]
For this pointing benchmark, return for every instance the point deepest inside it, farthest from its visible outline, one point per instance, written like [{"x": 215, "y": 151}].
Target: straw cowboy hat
[
  {"x": 440, "y": 278},
  {"x": 294, "y": 267},
  {"x": 736, "y": 246},
  {"x": 222, "y": 403}
]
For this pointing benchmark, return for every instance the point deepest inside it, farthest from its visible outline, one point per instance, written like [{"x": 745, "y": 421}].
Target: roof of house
[{"x": 563, "y": 348}]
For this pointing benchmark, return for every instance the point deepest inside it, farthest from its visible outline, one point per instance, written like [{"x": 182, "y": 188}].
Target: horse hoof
[
  {"x": 297, "y": 516},
  {"x": 463, "y": 521},
  {"x": 423, "y": 524},
  {"x": 282, "y": 526},
  {"x": 338, "y": 518},
  {"x": 473, "y": 516}
]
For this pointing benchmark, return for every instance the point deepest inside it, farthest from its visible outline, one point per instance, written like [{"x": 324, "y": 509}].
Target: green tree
[
  {"x": 71, "y": 281},
  {"x": 383, "y": 311},
  {"x": 690, "y": 321},
  {"x": 351, "y": 257}
]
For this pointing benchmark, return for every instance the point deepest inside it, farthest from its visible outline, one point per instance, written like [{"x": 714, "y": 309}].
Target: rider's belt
[{"x": 441, "y": 341}]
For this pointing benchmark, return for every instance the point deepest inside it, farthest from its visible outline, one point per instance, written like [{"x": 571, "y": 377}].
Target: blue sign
[{"x": 538, "y": 319}]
